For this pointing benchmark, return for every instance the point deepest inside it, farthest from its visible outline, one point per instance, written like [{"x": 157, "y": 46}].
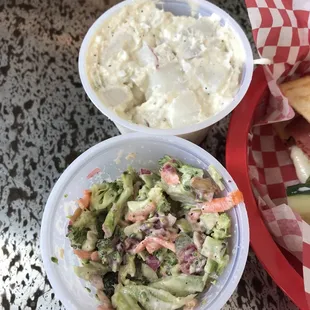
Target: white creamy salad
[{"x": 164, "y": 71}]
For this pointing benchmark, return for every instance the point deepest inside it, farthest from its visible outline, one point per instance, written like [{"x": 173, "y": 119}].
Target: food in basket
[
  {"x": 153, "y": 240},
  {"x": 164, "y": 71},
  {"x": 296, "y": 133}
]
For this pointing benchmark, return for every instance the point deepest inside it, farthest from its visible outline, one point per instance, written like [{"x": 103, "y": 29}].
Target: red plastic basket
[{"x": 285, "y": 270}]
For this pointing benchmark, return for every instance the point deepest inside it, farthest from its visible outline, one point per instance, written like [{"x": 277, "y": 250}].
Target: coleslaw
[{"x": 153, "y": 239}]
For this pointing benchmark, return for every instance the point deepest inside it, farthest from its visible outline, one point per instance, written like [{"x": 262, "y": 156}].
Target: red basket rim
[{"x": 267, "y": 251}]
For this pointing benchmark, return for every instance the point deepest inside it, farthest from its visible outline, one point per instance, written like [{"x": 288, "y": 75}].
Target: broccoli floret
[
  {"x": 87, "y": 219},
  {"x": 179, "y": 193},
  {"x": 109, "y": 283},
  {"x": 221, "y": 230},
  {"x": 167, "y": 260},
  {"x": 188, "y": 172},
  {"x": 104, "y": 195},
  {"x": 77, "y": 236},
  {"x": 105, "y": 247},
  {"x": 150, "y": 179},
  {"x": 163, "y": 206},
  {"x": 143, "y": 193},
  {"x": 172, "y": 161},
  {"x": 99, "y": 221},
  {"x": 156, "y": 196},
  {"x": 114, "y": 260},
  {"x": 129, "y": 269}
]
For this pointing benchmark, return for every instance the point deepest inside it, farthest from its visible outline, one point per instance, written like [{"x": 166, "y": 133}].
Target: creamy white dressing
[{"x": 164, "y": 71}]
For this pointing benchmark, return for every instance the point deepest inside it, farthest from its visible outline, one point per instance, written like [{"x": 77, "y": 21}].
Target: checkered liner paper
[{"x": 281, "y": 32}]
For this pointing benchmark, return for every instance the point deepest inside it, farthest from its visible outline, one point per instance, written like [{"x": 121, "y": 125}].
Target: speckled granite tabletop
[{"x": 46, "y": 121}]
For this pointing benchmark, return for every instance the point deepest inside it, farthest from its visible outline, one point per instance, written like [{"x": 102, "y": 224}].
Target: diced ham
[
  {"x": 95, "y": 256},
  {"x": 169, "y": 174},
  {"x": 142, "y": 215}
]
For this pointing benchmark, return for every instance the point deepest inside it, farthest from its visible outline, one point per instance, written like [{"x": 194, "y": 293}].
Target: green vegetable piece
[
  {"x": 132, "y": 229},
  {"x": 210, "y": 270},
  {"x": 150, "y": 179},
  {"x": 216, "y": 176},
  {"x": 90, "y": 242},
  {"x": 214, "y": 249},
  {"x": 104, "y": 195},
  {"x": 128, "y": 269},
  {"x": 154, "y": 299},
  {"x": 172, "y": 161},
  {"x": 182, "y": 241},
  {"x": 184, "y": 225},
  {"x": 124, "y": 301},
  {"x": 168, "y": 261},
  {"x": 77, "y": 236},
  {"x": 308, "y": 180},
  {"x": 87, "y": 289},
  {"x": 143, "y": 255},
  {"x": 86, "y": 272},
  {"x": 143, "y": 193},
  {"x": 105, "y": 247},
  {"x": 148, "y": 273},
  {"x": 54, "y": 260},
  {"x": 175, "y": 270},
  {"x": 156, "y": 196},
  {"x": 209, "y": 220},
  {"x": 116, "y": 211},
  {"x": 109, "y": 281},
  {"x": 87, "y": 219},
  {"x": 179, "y": 193},
  {"x": 219, "y": 234},
  {"x": 114, "y": 260},
  {"x": 298, "y": 200},
  {"x": 222, "y": 264},
  {"x": 222, "y": 227},
  {"x": 181, "y": 285},
  {"x": 188, "y": 172},
  {"x": 223, "y": 221}
]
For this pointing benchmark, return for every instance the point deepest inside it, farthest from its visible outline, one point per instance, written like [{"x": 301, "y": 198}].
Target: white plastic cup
[
  {"x": 194, "y": 132},
  {"x": 111, "y": 156}
]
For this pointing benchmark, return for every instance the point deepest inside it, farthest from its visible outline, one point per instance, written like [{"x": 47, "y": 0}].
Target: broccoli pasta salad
[{"x": 153, "y": 239}]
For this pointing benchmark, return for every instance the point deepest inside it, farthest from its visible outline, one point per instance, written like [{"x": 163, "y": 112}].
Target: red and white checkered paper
[{"x": 281, "y": 33}]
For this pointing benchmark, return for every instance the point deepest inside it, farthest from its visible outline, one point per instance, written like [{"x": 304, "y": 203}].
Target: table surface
[{"x": 46, "y": 121}]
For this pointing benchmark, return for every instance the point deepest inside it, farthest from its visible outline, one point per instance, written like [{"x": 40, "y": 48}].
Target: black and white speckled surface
[{"x": 46, "y": 121}]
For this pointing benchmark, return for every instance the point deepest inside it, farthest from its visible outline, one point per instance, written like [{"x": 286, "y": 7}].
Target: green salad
[{"x": 153, "y": 240}]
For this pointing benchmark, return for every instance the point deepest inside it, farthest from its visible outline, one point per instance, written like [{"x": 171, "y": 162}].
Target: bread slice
[{"x": 298, "y": 95}]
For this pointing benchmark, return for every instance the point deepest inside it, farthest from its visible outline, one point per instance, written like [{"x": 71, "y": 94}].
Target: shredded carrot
[
  {"x": 82, "y": 254},
  {"x": 222, "y": 204},
  {"x": 93, "y": 172},
  {"x": 149, "y": 244},
  {"x": 85, "y": 200},
  {"x": 75, "y": 215}
]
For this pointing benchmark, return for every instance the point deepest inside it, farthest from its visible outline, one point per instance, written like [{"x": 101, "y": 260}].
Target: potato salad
[
  {"x": 164, "y": 71},
  {"x": 153, "y": 240}
]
